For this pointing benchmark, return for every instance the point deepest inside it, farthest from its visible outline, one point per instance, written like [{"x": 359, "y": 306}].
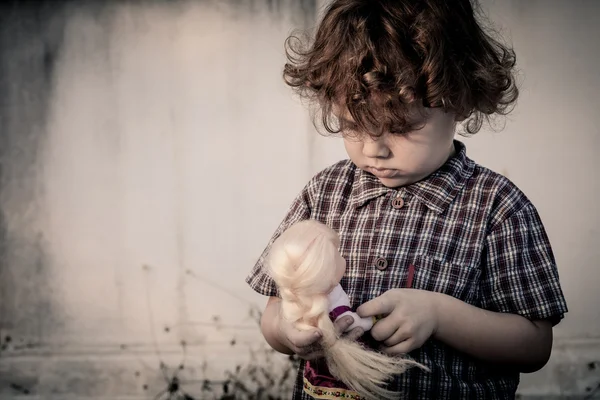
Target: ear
[{"x": 460, "y": 118}]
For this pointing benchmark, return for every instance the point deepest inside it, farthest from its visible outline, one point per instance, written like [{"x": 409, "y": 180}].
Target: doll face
[{"x": 340, "y": 270}]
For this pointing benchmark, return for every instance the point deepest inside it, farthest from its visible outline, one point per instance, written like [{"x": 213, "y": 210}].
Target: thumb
[
  {"x": 303, "y": 338},
  {"x": 377, "y": 306}
]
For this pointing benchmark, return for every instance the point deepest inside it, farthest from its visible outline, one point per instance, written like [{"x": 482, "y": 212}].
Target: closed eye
[
  {"x": 399, "y": 131},
  {"x": 403, "y": 130}
]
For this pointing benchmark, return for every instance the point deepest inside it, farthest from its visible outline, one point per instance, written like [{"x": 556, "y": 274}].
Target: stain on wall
[{"x": 30, "y": 35}]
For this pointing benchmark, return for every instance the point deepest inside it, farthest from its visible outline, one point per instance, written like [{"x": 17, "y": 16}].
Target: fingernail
[
  {"x": 317, "y": 334},
  {"x": 349, "y": 320}
]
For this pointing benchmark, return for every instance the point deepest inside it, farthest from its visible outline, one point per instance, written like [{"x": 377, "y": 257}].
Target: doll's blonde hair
[{"x": 301, "y": 262}]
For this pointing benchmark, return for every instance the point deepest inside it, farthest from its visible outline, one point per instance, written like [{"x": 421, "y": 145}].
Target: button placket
[{"x": 376, "y": 270}]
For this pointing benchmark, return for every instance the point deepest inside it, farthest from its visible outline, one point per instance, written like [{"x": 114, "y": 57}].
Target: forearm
[
  {"x": 269, "y": 328},
  {"x": 496, "y": 337}
]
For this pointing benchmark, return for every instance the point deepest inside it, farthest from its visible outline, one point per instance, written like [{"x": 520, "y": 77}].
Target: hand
[
  {"x": 306, "y": 343},
  {"x": 410, "y": 318}
]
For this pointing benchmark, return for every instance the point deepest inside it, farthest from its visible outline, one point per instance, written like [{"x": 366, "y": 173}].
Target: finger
[
  {"x": 342, "y": 324},
  {"x": 304, "y": 338},
  {"x": 378, "y": 306},
  {"x": 401, "y": 348},
  {"x": 385, "y": 328},
  {"x": 397, "y": 337},
  {"x": 355, "y": 333},
  {"x": 310, "y": 352}
]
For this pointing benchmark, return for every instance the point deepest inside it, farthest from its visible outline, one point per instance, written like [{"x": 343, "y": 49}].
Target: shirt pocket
[{"x": 432, "y": 274}]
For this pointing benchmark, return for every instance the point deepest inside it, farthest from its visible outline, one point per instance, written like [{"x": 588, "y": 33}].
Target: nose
[{"x": 375, "y": 148}]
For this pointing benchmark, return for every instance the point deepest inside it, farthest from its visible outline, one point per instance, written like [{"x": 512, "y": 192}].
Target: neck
[{"x": 452, "y": 151}]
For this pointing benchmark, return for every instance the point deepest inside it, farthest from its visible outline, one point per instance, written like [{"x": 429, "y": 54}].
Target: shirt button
[
  {"x": 398, "y": 202},
  {"x": 381, "y": 263}
]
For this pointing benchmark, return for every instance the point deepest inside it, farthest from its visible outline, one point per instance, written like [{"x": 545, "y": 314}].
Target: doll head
[{"x": 305, "y": 259}]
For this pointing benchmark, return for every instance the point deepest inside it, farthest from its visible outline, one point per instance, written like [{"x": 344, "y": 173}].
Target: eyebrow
[{"x": 411, "y": 125}]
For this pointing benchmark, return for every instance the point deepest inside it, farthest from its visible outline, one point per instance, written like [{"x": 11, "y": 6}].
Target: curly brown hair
[{"x": 378, "y": 59}]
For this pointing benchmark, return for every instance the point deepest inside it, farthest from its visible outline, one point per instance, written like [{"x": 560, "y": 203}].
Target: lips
[{"x": 382, "y": 172}]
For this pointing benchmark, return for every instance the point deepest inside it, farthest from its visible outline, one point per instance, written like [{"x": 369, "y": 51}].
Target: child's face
[{"x": 399, "y": 160}]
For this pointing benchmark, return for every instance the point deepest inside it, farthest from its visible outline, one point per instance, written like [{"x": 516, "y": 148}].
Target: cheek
[
  {"x": 353, "y": 148},
  {"x": 341, "y": 269},
  {"x": 445, "y": 128},
  {"x": 416, "y": 157}
]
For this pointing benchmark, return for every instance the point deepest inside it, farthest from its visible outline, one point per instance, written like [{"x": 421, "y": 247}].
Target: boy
[{"x": 452, "y": 255}]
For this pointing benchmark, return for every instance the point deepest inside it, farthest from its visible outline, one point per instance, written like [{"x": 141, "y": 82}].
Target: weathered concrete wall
[
  {"x": 135, "y": 155},
  {"x": 120, "y": 121}
]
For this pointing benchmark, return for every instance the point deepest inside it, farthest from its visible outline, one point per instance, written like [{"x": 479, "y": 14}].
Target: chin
[{"x": 393, "y": 182}]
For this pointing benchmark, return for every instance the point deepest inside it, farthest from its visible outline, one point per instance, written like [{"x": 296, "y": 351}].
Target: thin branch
[
  {"x": 218, "y": 286},
  {"x": 159, "y": 395},
  {"x": 182, "y": 363},
  {"x": 151, "y": 321}
]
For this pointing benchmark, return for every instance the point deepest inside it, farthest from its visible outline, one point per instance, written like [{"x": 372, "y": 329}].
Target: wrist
[
  {"x": 277, "y": 332},
  {"x": 271, "y": 329},
  {"x": 439, "y": 310}
]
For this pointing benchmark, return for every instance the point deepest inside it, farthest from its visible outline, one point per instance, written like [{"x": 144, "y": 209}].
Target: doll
[
  {"x": 339, "y": 306},
  {"x": 307, "y": 267}
]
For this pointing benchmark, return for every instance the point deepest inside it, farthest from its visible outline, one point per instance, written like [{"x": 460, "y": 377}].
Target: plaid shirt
[{"x": 464, "y": 231}]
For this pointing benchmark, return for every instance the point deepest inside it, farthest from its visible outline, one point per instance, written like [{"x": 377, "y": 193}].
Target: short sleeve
[
  {"x": 520, "y": 274},
  {"x": 300, "y": 209}
]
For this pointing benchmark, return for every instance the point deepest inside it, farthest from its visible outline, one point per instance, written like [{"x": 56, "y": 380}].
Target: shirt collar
[{"x": 436, "y": 191}]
